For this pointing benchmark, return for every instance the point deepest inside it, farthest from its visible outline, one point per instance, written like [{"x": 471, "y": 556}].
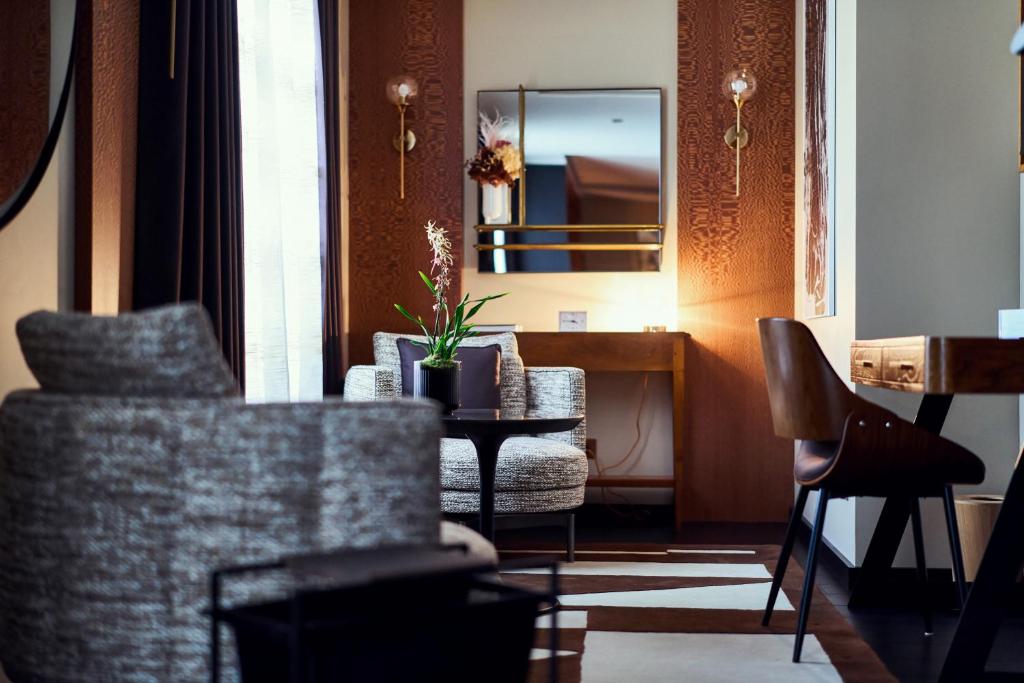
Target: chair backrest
[{"x": 808, "y": 399}]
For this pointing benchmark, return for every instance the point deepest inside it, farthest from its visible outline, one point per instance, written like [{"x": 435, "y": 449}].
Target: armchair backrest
[
  {"x": 165, "y": 351},
  {"x": 808, "y": 399},
  {"x": 512, "y": 380}
]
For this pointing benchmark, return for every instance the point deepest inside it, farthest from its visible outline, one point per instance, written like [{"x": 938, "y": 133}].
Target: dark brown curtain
[
  {"x": 188, "y": 229},
  {"x": 331, "y": 223}
]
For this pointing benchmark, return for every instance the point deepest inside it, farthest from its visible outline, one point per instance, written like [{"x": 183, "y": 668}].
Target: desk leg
[
  {"x": 992, "y": 589},
  {"x": 487, "y": 446},
  {"x": 896, "y": 511},
  {"x": 678, "y": 433}
]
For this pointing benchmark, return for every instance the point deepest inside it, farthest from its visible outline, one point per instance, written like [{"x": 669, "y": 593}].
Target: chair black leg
[
  {"x": 570, "y": 537},
  {"x": 809, "y": 571},
  {"x": 787, "y": 550},
  {"x": 954, "y": 544},
  {"x": 922, "y": 567}
]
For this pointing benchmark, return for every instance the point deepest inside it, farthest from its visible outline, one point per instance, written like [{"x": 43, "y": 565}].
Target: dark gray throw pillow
[
  {"x": 169, "y": 351},
  {"x": 481, "y": 373}
]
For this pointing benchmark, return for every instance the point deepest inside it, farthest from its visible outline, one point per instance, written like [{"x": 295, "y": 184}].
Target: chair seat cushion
[
  {"x": 476, "y": 545},
  {"x": 508, "y": 502},
  {"x": 525, "y": 463}
]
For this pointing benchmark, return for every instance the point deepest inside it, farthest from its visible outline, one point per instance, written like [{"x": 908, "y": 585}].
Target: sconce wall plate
[
  {"x": 410, "y": 141},
  {"x": 730, "y": 137}
]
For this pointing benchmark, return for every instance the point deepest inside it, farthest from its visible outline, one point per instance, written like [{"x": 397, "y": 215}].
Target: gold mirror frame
[{"x": 523, "y": 226}]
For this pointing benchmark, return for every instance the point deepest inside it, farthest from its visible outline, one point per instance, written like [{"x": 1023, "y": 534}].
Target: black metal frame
[{"x": 296, "y": 647}]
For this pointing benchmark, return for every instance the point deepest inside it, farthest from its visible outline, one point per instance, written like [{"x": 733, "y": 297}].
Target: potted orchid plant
[
  {"x": 496, "y": 166},
  {"x": 438, "y": 375}
]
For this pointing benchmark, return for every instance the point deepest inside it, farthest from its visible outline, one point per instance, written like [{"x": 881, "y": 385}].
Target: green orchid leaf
[{"x": 427, "y": 281}]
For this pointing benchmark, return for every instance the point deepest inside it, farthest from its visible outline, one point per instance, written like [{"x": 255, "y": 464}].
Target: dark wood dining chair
[{"x": 851, "y": 447}]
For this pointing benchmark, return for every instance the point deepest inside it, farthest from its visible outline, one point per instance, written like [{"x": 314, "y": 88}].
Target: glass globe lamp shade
[
  {"x": 401, "y": 88},
  {"x": 739, "y": 83}
]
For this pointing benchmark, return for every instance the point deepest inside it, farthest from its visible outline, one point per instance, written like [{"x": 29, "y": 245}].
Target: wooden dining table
[{"x": 939, "y": 368}]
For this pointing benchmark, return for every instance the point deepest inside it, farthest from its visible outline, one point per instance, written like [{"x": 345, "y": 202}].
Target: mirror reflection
[{"x": 593, "y": 159}]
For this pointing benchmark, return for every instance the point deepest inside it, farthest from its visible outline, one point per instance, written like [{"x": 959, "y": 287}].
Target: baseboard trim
[{"x": 898, "y": 587}]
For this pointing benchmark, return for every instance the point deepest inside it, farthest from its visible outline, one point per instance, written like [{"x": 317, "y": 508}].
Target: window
[{"x": 282, "y": 173}]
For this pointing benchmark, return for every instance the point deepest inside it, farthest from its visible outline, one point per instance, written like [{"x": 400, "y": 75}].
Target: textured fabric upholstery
[
  {"x": 114, "y": 510},
  {"x": 513, "y": 377},
  {"x": 533, "y": 475},
  {"x": 370, "y": 383},
  {"x": 552, "y": 500},
  {"x": 558, "y": 391},
  {"x": 164, "y": 351},
  {"x": 476, "y": 545},
  {"x": 525, "y": 463}
]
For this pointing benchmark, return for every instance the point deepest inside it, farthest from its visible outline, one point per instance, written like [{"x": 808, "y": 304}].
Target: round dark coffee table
[{"x": 488, "y": 429}]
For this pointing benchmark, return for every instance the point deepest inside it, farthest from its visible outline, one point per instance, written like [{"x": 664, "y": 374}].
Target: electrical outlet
[{"x": 572, "y": 321}]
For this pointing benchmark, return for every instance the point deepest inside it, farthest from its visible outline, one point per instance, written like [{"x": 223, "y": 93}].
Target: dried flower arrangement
[
  {"x": 443, "y": 340},
  {"x": 497, "y": 161}
]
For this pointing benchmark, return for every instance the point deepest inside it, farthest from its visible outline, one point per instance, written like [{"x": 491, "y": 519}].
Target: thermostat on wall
[{"x": 572, "y": 321}]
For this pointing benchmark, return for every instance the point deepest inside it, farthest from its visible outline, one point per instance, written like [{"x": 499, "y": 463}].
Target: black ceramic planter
[{"x": 440, "y": 384}]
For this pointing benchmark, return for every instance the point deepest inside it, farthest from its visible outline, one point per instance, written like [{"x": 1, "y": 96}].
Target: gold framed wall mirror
[{"x": 588, "y": 197}]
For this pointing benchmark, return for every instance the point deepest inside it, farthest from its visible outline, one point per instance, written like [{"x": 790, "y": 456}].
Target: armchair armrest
[
  {"x": 559, "y": 391},
  {"x": 370, "y": 383}
]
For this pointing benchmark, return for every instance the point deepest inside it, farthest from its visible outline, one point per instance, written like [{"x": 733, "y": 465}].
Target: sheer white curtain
[{"x": 281, "y": 175}]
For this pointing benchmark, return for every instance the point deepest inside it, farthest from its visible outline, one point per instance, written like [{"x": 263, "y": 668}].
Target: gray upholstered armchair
[
  {"x": 136, "y": 469},
  {"x": 535, "y": 474}
]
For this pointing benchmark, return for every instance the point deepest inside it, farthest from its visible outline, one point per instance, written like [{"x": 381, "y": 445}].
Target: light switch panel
[
  {"x": 1011, "y": 323},
  {"x": 572, "y": 321}
]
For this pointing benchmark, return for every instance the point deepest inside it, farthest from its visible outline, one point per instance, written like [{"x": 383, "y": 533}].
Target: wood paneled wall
[
  {"x": 106, "y": 108},
  {"x": 422, "y": 38},
  {"x": 735, "y": 253},
  {"x": 24, "y": 90}
]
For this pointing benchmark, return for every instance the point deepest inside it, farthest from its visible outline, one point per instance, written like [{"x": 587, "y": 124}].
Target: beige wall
[
  {"x": 35, "y": 258},
  {"x": 927, "y": 206},
  {"x": 584, "y": 44},
  {"x": 574, "y": 44}
]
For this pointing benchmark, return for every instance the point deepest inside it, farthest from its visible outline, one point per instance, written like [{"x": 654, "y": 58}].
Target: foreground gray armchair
[{"x": 122, "y": 485}]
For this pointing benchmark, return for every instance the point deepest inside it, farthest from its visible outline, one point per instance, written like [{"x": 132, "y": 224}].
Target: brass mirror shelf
[
  {"x": 569, "y": 246},
  {"x": 571, "y": 228},
  {"x": 595, "y": 156}
]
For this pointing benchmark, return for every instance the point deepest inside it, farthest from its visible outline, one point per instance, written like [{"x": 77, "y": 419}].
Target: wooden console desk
[
  {"x": 940, "y": 367},
  {"x": 622, "y": 352}
]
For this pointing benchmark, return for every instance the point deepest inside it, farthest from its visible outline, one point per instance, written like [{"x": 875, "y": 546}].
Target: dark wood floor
[{"x": 896, "y": 634}]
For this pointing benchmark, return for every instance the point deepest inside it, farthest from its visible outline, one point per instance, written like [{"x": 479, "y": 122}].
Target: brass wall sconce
[
  {"x": 739, "y": 86},
  {"x": 400, "y": 90}
]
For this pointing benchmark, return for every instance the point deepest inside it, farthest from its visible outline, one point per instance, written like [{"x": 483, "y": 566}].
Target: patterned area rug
[{"x": 650, "y": 613}]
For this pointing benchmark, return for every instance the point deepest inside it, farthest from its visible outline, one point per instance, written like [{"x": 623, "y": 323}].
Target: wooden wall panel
[
  {"x": 422, "y": 38},
  {"x": 106, "y": 108},
  {"x": 735, "y": 253},
  {"x": 24, "y": 90}
]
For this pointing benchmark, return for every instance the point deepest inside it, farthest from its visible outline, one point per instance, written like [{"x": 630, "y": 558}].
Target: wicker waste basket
[{"x": 976, "y": 515}]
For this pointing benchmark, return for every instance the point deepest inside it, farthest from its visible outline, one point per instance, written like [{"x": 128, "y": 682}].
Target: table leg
[
  {"x": 896, "y": 512},
  {"x": 487, "y": 446},
  {"x": 992, "y": 589}
]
